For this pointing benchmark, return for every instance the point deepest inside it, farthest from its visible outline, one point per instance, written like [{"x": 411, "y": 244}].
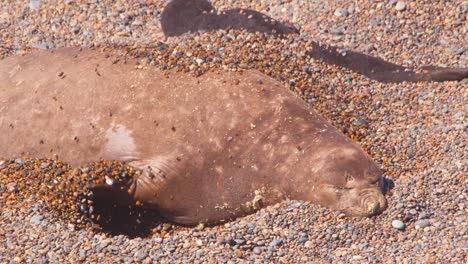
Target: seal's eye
[{"x": 341, "y": 188}]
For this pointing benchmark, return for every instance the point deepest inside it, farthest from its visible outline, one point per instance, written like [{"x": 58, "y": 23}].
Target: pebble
[
  {"x": 447, "y": 147},
  {"x": 199, "y": 242},
  {"x": 257, "y": 250},
  {"x": 34, "y": 4},
  {"x": 308, "y": 244},
  {"x": 141, "y": 255},
  {"x": 398, "y": 224},
  {"x": 340, "y": 12},
  {"x": 400, "y": 6},
  {"x": 36, "y": 219},
  {"x": 276, "y": 242},
  {"x": 422, "y": 223}
]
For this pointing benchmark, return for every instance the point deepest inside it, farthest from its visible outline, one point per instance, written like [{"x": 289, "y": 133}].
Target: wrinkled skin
[
  {"x": 359, "y": 196},
  {"x": 210, "y": 149}
]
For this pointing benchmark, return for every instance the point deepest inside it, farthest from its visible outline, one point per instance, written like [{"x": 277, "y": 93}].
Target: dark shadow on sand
[
  {"x": 119, "y": 216},
  {"x": 389, "y": 184},
  {"x": 182, "y": 16},
  {"x": 383, "y": 71}
]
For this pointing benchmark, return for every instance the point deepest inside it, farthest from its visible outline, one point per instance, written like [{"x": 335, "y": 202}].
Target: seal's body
[{"x": 211, "y": 148}]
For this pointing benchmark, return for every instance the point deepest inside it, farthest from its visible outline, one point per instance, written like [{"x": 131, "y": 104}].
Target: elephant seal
[{"x": 210, "y": 149}]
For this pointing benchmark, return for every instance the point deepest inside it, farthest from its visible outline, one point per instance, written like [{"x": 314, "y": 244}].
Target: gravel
[{"x": 415, "y": 131}]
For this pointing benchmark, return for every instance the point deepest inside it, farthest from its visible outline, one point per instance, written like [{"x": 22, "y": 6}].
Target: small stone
[
  {"x": 199, "y": 61},
  {"x": 340, "y": 12},
  {"x": 239, "y": 236},
  {"x": 400, "y": 6},
  {"x": 199, "y": 253},
  {"x": 398, "y": 224},
  {"x": 109, "y": 181},
  {"x": 19, "y": 161},
  {"x": 36, "y": 219},
  {"x": 308, "y": 244},
  {"x": 239, "y": 241},
  {"x": 257, "y": 250},
  {"x": 422, "y": 223},
  {"x": 276, "y": 243},
  {"x": 44, "y": 165},
  {"x": 141, "y": 255},
  {"x": 447, "y": 147},
  {"x": 445, "y": 109},
  {"x": 11, "y": 187},
  {"x": 34, "y": 4},
  {"x": 422, "y": 216},
  {"x": 199, "y": 243},
  {"x": 171, "y": 249}
]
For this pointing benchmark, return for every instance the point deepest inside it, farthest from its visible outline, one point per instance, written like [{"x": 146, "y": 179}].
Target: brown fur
[{"x": 212, "y": 148}]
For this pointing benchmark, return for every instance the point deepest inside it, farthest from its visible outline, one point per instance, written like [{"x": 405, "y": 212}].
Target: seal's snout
[{"x": 374, "y": 203}]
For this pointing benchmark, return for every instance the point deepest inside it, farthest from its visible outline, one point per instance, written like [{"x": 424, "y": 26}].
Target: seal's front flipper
[{"x": 154, "y": 176}]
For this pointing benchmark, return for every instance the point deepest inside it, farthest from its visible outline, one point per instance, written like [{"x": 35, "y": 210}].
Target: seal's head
[{"x": 351, "y": 182}]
